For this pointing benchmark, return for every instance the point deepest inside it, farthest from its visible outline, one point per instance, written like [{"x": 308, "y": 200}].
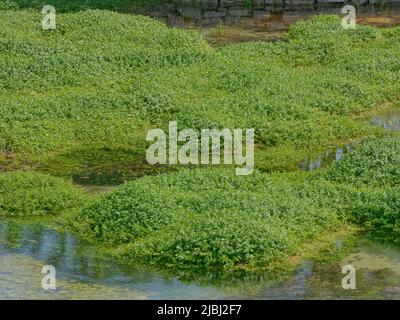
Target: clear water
[{"x": 83, "y": 272}]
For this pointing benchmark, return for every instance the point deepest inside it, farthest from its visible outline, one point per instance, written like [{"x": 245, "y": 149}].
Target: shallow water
[
  {"x": 225, "y": 25},
  {"x": 377, "y": 277},
  {"x": 83, "y": 272},
  {"x": 388, "y": 120}
]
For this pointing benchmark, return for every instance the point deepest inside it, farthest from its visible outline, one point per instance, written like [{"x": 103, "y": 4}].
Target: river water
[
  {"x": 222, "y": 26},
  {"x": 84, "y": 272}
]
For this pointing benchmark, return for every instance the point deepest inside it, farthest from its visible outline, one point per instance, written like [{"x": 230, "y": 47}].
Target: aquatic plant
[
  {"x": 375, "y": 164},
  {"x": 201, "y": 219},
  {"x": 101, "y": 80},
  {"x": 207, "y": 219},
  {"x": 28, "y": 194},
  {"x": 373, "y": 172}
]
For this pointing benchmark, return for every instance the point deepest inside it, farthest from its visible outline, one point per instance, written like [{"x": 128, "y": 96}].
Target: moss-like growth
[
  {"x": 28, "y": 194},
  {"x": 375, "y": 164}
]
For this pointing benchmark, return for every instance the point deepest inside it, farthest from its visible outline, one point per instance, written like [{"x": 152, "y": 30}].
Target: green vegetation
[
  {"x": 77, "y": 5},
  {"x": 375, "y": 164},
  {"x": 85, "y": 94},
  {"x": 102, "y": 79},
  {"x": 28, "y": 194},
  {"x": 374, "y": 168},
  {"x": 205, "y": 219},
  {"x": 82, "y": 88}
]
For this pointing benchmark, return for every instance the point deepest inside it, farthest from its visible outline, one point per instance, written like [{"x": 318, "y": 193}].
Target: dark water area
[{"x": 234, "y": 23}]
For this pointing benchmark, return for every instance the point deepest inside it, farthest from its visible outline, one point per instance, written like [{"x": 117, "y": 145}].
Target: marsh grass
[{"x": 28, "y": 194}]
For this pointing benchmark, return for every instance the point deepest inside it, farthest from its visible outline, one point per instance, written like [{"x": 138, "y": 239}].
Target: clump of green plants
[
  {"x": 374, "y": 209},
  {"x": 372, "y": 197},
  {"x": 29, "y": 194},
  {"x": 374, "y": 164},
  {"x": 206, "y": 219},
  {"x": 212, "y": 219},
  {"x": 76, "y": 5},
  {"x": 378, "y": 212}
]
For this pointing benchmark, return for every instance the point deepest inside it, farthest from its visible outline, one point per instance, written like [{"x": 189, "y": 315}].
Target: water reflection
[
  {"x": 389, "y": 120},
  {"x": 232, "y": 23},
  {"x": 83, "y": 272},
  {"x": 327, "y": 158},
  {"x": 377, "y": 277}
]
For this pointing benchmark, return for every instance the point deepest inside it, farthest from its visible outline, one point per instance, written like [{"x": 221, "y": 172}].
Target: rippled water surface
[{"x": 83, "y": 272}]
